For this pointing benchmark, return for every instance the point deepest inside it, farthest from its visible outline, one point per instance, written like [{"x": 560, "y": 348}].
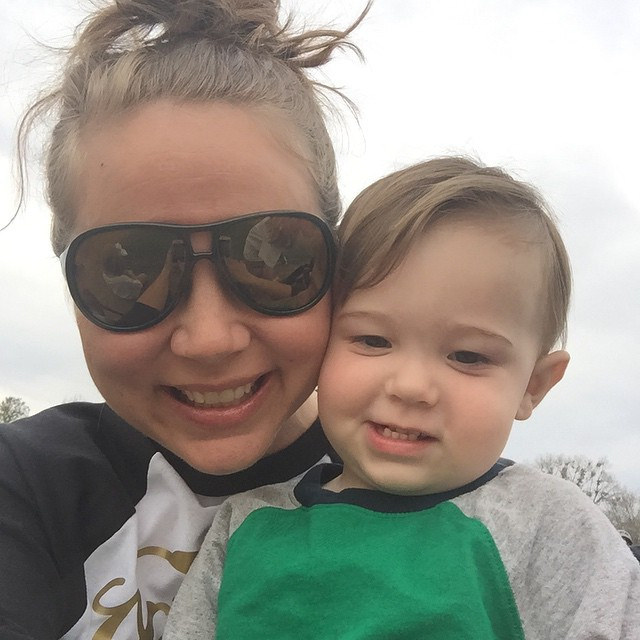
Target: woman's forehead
[{"x": 187, "y": 163}]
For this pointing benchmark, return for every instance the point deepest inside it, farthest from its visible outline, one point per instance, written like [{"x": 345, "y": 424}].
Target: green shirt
[{"x": 492, "y": 559}]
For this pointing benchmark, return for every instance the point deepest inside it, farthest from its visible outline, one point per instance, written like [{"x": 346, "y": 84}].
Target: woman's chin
[{"x": 222, "y": 458}]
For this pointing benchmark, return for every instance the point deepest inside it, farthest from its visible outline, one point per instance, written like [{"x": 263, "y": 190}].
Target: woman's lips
[
  {"x": 224, "y": 408},
  {"x": 224, "y": 398}
]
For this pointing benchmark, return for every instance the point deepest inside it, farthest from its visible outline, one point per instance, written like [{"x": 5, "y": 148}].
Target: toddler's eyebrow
[
  {"x": 467, "y": 328},
  {"x": 453, "y": 328},
  {"x": 361, "y": 313}
]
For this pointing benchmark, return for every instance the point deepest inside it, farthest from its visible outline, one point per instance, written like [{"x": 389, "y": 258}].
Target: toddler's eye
[
  {"x": 375, "y": 342},
  {"x": 468, "y": 357}
]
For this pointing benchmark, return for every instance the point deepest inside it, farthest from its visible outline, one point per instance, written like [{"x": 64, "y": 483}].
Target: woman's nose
[
  {"x": 209, "y": 324},
  {"x": 413, "y": 381}
]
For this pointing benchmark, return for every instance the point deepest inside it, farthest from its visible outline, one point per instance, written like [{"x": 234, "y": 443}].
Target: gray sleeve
[
  {"x": 581, "y": 582},
  {"x": 572, "y": 576},
  {"x": 194, "y": 610}
]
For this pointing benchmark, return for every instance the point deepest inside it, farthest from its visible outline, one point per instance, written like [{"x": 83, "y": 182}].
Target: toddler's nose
[{"x": 413, "y": 382}]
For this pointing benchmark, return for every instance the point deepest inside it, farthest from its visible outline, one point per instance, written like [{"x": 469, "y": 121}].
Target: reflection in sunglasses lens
[
  {"x": 280, "y": 265},
  {"x": 128, "y": 277}
]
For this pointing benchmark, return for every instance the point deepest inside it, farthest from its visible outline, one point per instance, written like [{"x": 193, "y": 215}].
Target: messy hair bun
[
  {"x": 130, "y": 52},
  {"x": 253, "y": 24}
]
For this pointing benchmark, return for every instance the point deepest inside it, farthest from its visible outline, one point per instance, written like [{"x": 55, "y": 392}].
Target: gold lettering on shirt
[{"x": 179, "y": 560}]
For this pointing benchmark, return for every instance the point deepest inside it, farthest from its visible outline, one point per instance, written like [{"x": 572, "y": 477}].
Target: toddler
[{"x": 450, "y": 311}]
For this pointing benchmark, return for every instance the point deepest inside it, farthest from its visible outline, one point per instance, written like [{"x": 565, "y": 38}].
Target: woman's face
[{"x": 191, "y": 164}]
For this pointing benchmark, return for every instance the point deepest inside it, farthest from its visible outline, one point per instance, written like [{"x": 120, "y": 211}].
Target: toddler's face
[{"x": 426, "y": 371}]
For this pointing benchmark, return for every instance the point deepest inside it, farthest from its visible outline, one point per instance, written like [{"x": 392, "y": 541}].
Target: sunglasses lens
[
  {"x": 127, "y": 278},
  {"x": 277, "y": 264}
]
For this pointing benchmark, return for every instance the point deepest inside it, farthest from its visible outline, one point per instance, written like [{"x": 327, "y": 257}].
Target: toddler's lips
[{"x": 394, "y": 432}]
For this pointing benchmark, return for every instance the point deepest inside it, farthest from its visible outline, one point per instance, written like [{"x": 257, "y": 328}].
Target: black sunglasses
[{"x": 128, "y": 277}]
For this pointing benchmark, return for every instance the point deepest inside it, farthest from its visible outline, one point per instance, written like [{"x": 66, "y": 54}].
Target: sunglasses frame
[{"x": 184, "y": 231}]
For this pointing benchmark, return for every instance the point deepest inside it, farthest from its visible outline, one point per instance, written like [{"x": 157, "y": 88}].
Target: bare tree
[
  {"x": 592, "y": 476},
  {"x": 624, "y": 513},
  {"x": 13, "y": 408},
  {"x": 621, "y": 506}
]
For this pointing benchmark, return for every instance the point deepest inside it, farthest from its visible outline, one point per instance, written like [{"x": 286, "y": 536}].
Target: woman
[{"x": 180, "y": 127}]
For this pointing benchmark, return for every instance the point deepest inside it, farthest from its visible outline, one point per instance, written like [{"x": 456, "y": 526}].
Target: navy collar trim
[
  {"x": 281, "y": 466},
  {"x": 309, "y": 491}
]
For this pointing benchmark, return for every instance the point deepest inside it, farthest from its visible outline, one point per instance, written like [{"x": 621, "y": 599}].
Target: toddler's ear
[{"x": 548, "y": 372}]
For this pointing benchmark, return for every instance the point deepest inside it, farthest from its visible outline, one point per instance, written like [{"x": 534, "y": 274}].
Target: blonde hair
[
  {"x": 131, "y": 52},
  {"x": 384, "y": 220}
]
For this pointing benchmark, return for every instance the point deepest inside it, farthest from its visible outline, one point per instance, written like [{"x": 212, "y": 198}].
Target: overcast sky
[{"x": 546, "y": 88}]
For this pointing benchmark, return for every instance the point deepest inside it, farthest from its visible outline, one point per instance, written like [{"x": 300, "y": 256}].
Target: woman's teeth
[{"x": 218, "y": 398}]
